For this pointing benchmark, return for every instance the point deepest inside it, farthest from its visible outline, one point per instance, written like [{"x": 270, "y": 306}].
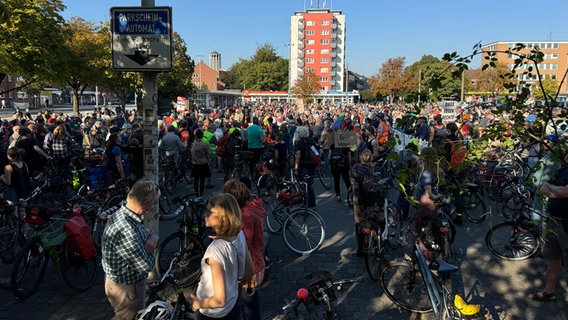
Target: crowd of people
[{"x": 280, "y": 136}]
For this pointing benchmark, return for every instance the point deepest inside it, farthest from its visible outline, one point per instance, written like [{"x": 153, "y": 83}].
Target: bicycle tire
[
  {"x": 394, "y": 220},
  {"x": 373, "y": 258},
  {"x": 77, "y": 273},
  {"x": 509, "y": 242},
  {"x": 405, "y": 286},
  {"x": 188, "y": 268},
  {"x": 28, "y": 269},
  {"x": 324, "y": 175},
  {"x": 11, "y": 244},
  {"x": 186, "y": 172},
  {"x": 473, "y": 207},
  {"x": 275, "y": 217},
  {"x": 350, "y": 197},
  {"x": 266, "y": 186},
  {"x": 514, "y": 204},
  {"x": 303, "y": 231}
]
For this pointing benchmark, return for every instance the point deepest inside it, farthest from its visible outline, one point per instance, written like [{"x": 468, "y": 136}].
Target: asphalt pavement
[{"x": 499, "y": 286}]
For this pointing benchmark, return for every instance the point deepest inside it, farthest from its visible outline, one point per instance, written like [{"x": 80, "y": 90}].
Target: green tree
[
  {"x": 85, "y": 61},
  {"x": 430, "y": 69},
  {"x": 368, "y": 96},
  {"x": 264, "y": 71},
  {"x": 494, "y": 79},
  {"x": 178, "y": 81},
  {"x": 306, "y": 87},
  {"x": 31, "y": 34},
  {"x": 548, "y": 89}
]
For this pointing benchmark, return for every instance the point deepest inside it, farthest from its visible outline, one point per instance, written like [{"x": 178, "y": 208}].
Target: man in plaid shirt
[{"x": 128, "y": 251}]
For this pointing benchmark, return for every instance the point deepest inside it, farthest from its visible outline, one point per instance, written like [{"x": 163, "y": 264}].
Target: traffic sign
[{"x": 141, "y": 38}]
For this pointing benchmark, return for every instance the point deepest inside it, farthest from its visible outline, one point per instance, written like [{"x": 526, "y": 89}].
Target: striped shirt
[{"x": 124, "y": 258}]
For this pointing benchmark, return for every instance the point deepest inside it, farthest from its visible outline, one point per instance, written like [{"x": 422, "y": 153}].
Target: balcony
[
  {"x": 301, "y": 35},
  {"x": 333, "y": 54},
  {"x": 301, "y": 45},
  {"x": 334, "y": 26},
  {"x": 332, "y": 64},
  {"x": 333, "y": 45},
  {"x": 300, "y": 54},
  {"x": 332, "y": 73},
  {"x": 300, "y": 63},
  {"x": 334, "y": 35},
  {"x": 301, "y": 26}
]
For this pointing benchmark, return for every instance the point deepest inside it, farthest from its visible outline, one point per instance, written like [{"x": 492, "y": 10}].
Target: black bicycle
[
  {"x": 189, "y": 241},
  {"x": 166, "y": 298}
]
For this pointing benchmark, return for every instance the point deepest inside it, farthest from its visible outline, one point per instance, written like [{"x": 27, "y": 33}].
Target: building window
[
  {"x": 324, "y": 89},
  {"x": 310, "y": 42},
  {"x": 324, "y": 70},
  {"x": 324, "y": 60},
  {"x": 323, "y": 79},
  {"x": 310, "y": 70},
  {"x": 325, "y": 22},
  {"x": 310, "y": 23},
  {"x": 309, "y": 60},
  {"x": 553, "y": 77},
  {"x": 310, "y": 32},
  {"x": 310, "y": 51},
  {"x": 195, "y": 75},
  {"x": 324, "y": 51},
  {"x": 10, "y": 94},
  {"x": 325, "y": 32},
  {"x": 324, "y": 41}
]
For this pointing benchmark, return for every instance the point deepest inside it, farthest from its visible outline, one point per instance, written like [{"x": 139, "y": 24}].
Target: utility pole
[
  {"x": 462, "y": 85},
  {"x": 346, "y": 83},
  {"x": 419, "y": 84}
]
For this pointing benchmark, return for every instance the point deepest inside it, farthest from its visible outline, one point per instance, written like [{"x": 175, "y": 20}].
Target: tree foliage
[
  {"x": 494, "y": 79},
  {"x": 265, "y": 71},
  {"x": 306, "y": 87},
  {"x": 178, "y": 81},
  {"x": 31, "y": 34},
  {"x": 548, "y": 89},
  {"x": 391, "y": 79}
]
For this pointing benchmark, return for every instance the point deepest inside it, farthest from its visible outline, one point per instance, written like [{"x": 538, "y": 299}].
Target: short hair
[
  {"x": 199, "y": 134},
  {"x": 366, "y": 156},
  {"x": 239, "y": 190},
  {"x": 171, "y": 128},
  {"x": 143, "y": 190},
  {"x": 230, "y": 214}
]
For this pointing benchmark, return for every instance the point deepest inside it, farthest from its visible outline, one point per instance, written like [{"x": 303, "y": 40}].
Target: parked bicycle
[
  {"x": 519, "y": 238},
  {"x": 189, "y": 241},
  {"x": 316, "y": 292},
  {"x": 166, "y": 298},
  {"x": 78, "y": 269},
  {"x": 302, "y": 228},
  {"x": 410, "y": 284},
  {"x": 171, "y": 173}
]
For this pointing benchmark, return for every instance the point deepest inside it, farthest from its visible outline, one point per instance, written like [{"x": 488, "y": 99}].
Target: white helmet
[{"x": 157, "y": 310}]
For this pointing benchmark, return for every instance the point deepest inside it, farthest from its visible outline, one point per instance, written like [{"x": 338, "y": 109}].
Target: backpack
[
  {"x": 337, "y": 159},
  {"x": 222, "y": 145},
  {"x": 309, "y": 156}
]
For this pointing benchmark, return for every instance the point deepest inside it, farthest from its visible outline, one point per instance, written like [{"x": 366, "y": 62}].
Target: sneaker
[
  {"x": 267, "y": 263},
  {"x": 338, "y": 198}
]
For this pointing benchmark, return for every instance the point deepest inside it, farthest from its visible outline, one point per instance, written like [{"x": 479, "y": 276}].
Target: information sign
[{"x": 141, "y": 38}]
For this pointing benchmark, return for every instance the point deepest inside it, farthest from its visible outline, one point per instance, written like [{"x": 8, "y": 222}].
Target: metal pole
[
  {"x": 150, "y": 116},
  {"x": 346, "y": 83},
  {"x": 419, "y": 84}
]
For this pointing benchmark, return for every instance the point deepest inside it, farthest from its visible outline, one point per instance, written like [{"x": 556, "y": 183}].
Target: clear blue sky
[{"x": 376, "y": 30}]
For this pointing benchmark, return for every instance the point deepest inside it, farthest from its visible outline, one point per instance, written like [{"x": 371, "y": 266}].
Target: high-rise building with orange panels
[
  {"x": 554, "y": 64},
  {"x": 317, "y": 44}
]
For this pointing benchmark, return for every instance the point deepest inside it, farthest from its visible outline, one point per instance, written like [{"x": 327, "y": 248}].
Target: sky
[{"x": 377, "y": 30}]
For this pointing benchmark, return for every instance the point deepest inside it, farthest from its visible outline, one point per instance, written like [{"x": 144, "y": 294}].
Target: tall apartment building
[
  {"x": 554, "y": 65},
  {"x": 317, "y": 44}
]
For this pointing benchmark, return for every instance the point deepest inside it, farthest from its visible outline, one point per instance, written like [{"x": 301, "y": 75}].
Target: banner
[
  {"x": 181, "y": 105},
  {"x": 345, "y": 139}
]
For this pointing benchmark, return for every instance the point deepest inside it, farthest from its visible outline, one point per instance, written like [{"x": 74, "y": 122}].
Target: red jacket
[{"x": 253, "y": 227}]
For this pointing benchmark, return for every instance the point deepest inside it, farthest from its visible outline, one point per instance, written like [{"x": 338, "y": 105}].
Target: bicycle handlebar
[{"x": 184, "y": 201}]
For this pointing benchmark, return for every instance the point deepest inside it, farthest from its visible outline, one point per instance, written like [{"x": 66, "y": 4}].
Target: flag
[{"x": 338, "y": 122}]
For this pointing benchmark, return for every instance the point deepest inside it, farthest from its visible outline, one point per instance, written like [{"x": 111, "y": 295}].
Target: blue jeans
[{"x": 251, "y": 305}]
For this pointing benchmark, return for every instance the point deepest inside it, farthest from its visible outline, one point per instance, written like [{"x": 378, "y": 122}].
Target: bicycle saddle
[
  {"x": 464, "y": 308},
  {"x": 442, "y": 266}
]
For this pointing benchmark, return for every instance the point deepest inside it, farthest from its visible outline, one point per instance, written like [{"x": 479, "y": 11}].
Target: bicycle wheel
[
  {"x": 29, "y": 269},
  {"x": 267, "y": 186},
  {"x": 350, "y": 197},
  {"x": 77, "y": 273},
  {"x": 374, "y": 257},
  {"x": 324, "y": 175},
  {"x": 11, "y": 243},
  {"x": 168, "y": 180},
  {"x": 186, "y": 171},
  {"x": 510, "y": 242},
  {"x": 188, "y": 268},
  {"x": 473, "y": 207},
  {"x": 394, "y": 221},
  {"x": 403, "y": 283},
  {"x": 275, "y": 215},
  {"x": 303, "y": 231}
]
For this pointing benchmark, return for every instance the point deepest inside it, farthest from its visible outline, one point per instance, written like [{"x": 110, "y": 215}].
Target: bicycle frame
[{"x": 437, "y": 298}]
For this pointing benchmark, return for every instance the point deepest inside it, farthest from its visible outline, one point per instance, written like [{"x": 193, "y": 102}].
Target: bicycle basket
[
  {"x": 291, "y": 198},
  {"x": 313, "y": 282},
  {"x": 53, "y": 233}
]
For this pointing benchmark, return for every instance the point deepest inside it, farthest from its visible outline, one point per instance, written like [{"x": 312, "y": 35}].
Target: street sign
[{"x": 141, "y": 38}]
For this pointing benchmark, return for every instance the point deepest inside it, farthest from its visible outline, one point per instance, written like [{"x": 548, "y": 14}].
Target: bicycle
[
  {"x": 189, "y": 241},
  {"x": 516, "y": 239},
  {"x": 323, "y": 173},
  {"x": 78, "y": 271},
  {"x": 316, "y": 291},
  {"x": 410, "y": 284},
  {"x": 302, "y": 228},
  {"x": 172, "y": 173},
  {"x": 242, "y": 160},
  {"x": 171, "y": 303},
  {"x": 382, "y": 235}
]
